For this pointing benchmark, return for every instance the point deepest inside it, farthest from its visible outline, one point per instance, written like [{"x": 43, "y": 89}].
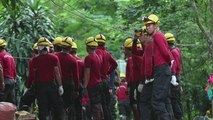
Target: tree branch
[
  {"x": 211, "y": 8},
  {"x": 208, "y": 36},
  {"x": 198, "y": 20},
  {"x": 211, "y": 31}
]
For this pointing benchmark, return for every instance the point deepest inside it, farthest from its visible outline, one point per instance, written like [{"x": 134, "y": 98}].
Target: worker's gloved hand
[
  {"x": 149, "y": 81},
  {"x": 61, "y": 90},
  {"x": 174, "y": 81},
  {"x": 111, "y": 91},
  {"x": 140, "y": 87},
  {"x": 135, "y": 94}
]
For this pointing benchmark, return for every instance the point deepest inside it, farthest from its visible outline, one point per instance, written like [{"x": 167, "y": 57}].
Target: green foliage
[
  {"x": 11, "y": 4},
  {"x": 22, "y": 30}
]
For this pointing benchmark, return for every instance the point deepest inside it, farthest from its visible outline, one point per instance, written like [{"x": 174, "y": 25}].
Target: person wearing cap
[
  {"x": 159, "y": 59},
  {"x": 132, "y": 75},
  {"x": 78, "y": 100},
  {"x": 175, "y": 82},
  {"x": 70, "y": 75},
  {"x": 123, "y": 99},
  {"x": 108, "y": 65},
  {"x": 9, "y": 73},
  {"x": 47, "y": 79},
  {"x": 92, "y": 78},
  {"x": 30, "y": 81},
  {"x": 80, "y": 62},
  {"x": 144, "y": 88},
  {"x": 29, "y": 95},
  {"x": 57, "y": 44}
]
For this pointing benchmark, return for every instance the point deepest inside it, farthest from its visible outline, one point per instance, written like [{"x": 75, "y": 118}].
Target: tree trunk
[
  {"x": 208, "y": 35},
  {"x": 211, "y": 29}
]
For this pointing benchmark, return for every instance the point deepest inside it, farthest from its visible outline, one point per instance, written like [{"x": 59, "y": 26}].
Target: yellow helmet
[
  {"x": 151, "y": 19},
  {"x": 3, "y": 42},
  {"x": 128, "y": 43},
  {"x": 67, "y": 41},
  {"x": 169, "y": 37},
  {"x": 74, "y": 45},
  {"x": 35, "y": 46},
  {"x": 91, "y": 41},
  {"x": 57, "y": 41},
  {"x": 100, "y": 38},
  {"x": 43, "y": 42},
  {"x": 122, "y": 75}
]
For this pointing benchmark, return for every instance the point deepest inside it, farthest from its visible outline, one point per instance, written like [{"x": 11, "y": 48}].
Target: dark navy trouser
[
  {"x": 8, "y": 95},
  {"x": 161, "y": 103},
  {"x": 176, "y": 100}
]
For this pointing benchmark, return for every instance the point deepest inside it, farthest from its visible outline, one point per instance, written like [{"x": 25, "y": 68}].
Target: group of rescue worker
[
  {"x": 59, "y": 79},
  {"x": 153, "y": 73}
]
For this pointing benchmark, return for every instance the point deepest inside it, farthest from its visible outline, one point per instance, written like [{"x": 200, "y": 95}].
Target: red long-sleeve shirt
[
  {"x": 129, "y": 71},
  {"x": 8, "y": 63},
  {"x": 148, "y": 60},
  {"x": 177, "y": 63},
  {"x": 69, "y": 68},
  {"x": 80, "y": 67},
  {"x": 108, "y": 62},
  {"x": 43, "y": 67},
  {"x": 136, "y": 50},
  {"x": 93, "y": 62},
  {"x": 137, "y": 68},
  {"x": 158, "y": 50},
  {"x": 162, "y": 54},
  {"x": 30, "y": 78},
  {"x": 138, "y": 63}
]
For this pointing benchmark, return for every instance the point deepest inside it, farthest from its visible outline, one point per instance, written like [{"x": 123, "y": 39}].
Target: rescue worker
[
  {"x": 78, "y": 100},
  {"x": 29, "y": 95},
  {"x": 46, "y": 71},
  {"x": 144, "y": 89},
  {"x": 138, "y": 66},
  {"x": 108, "y": 65},
  {"x": 57, "y": 44},
  {"x": 92, "y": 78},
  {"x": 131, "y": 77},
  {"x": 175, "y": 87},
  {"x": 123, "y": 99},
  {"x": 158, "y": 60},
  {"x": 70, "y": 78},
  {"x": 9, "y": 73}
]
